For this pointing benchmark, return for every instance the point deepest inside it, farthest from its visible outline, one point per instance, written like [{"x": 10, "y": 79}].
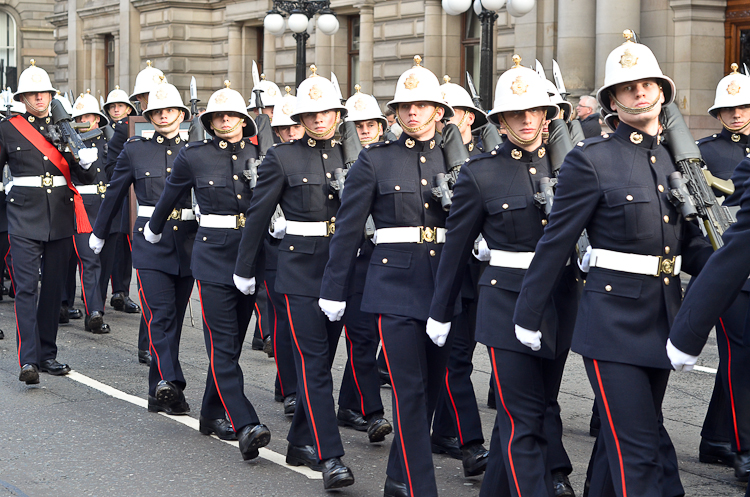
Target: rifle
[
  {"x": 250, "y": 173},
  {"x": 351, "y": 146},
  {"x": 490, "y": 136},
  {"x": 690, "y": 190},
  {"x": 63, "y": 134},
  {"x": 456, "y": 155},
  {"x": 576, "y": 131},
  {"x": 193, "y": 97}
]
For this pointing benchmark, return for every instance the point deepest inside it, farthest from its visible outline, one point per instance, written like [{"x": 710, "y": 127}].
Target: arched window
[{"x": 8, "y": 65}]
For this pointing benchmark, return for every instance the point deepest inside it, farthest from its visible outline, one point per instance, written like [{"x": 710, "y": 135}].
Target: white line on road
[{"x": 266, "y": 454}]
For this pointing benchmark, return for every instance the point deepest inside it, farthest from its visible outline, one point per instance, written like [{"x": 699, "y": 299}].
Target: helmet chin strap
[
  {"x": 637, "y": 110},
  {"x": 325, "y": 133},
  {"x": 417, "y": 129},
  {"x": 733, "y": 130},
  {"x": 164, "y": 125},
  {"x": 515, "y": 136},
  {"x": 227, "y": 131},
  {"x": 374, "y": 138}
]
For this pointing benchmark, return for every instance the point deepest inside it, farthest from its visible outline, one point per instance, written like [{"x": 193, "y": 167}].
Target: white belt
[
  {"x": 635, "y": 263},
  {"x": 408, "y": 234},
  {"x": 319, "y": 228},
  {"x": 217, "y": 221},
  {"x": 91, "y": 189},
  {"x": 176, "y": 215},
  {"x": 516, "y": 260},
  {"x": 39, "y": 181}
]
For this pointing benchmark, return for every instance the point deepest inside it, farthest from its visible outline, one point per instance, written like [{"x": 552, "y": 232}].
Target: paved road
[{"x": 71, "y": 436}]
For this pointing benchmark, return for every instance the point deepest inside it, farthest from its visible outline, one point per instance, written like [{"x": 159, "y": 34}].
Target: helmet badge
[
  {"x": 411, "y": 82},
  {"x": 733, "y": 88},
  {"x": 628, "y": 60},
  {"x": 519, "y": 86}
]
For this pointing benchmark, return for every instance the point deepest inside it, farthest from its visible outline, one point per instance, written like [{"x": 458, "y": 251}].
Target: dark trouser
[
  {"x": 4, "y": 249},
  {"x": 164, "y": 298},
  {"x": 360, "y": 386},
  {"x": 457, "y": 414},
  {"x": 36, "y": 319},
  {"x": 557, "y": 456},
  {"x": 89, "y": 268},
  {"x": 123, "y": 265},
  {"x": 226, "y": 316},
  {"x": 633, "y": 454},
  {"x": 286, "y": 374},
  {"x": 107, "y": 260},
  {"x": 417, "y": 367},
  {"x": 314, "y": 340},
  {"x": 262, "y": 324}
]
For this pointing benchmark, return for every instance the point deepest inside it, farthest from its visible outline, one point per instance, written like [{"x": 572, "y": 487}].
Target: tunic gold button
[
  {"x": 234, "y": 157},
  {"x": 169, "y": 152},
  {"x": 424, "y": 182},
  {"x": 397, "y": 188},
  {"x": 140, "y": 229},
  {"x": 608, "y": 288},
  {"x": 505, "y": 206},
  {"x": 661, "y": 188},
  {"x": 325, "y": 156},
  {"x": 235, "y": 177},
  {"x": 304, "y": 180},
  {"x": 666, "y": 280},
  {"x": 205, "y": 238},
  {"x": 330, "y": 196},
  {"x": 175, "y": 228},
  {"x": 666, "y": 219},
  {"x": 169, "y": 169},
  {"x": 239, "y": 196},
  {"x": 148, "y": 173},
  {"x": 98, "y": 170},
  {"x": 426, "y": 205},
  {"x": 385, "y": 261},
  {"x": 544, "y": 222},
  {"x": 493, "y": 282},
  {"x": 532, "y": 170},
  {"x": 629, "y": 198},
  {"x": 432, "y": 253},
  {"x": 333, "y": 219},
  {"x": 46, "y": 158},
  {"x": 328, "y": 175},
  {"x": 653, "y": 160},
  {"x": 667, "y": 250},
  {"x": 49, "y": 191},
  {"x": 211, "y": 182},
  {"x": 291, "y": 247},
  {"x": 422, "y": 160}
]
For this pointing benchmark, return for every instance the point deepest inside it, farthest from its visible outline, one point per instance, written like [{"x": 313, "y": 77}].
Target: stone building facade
[{"x": 98, "y": 44}]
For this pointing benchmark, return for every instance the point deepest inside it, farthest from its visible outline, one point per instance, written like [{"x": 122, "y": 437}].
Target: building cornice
[
  {"x": 150, "y": 5},
  {"x": 113, "y": 8}
]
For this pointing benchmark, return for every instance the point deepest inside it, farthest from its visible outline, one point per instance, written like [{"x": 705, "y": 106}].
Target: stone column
[
  {"x": 75, "y": 46},
  {"x": 576, "y": 44},
  {"x": 85, "y": 63},
  {"x": 269, "y": 59},
  {"x": 129, "y": 46},
  {"x": 433, "y": 36},
  {"x": 612, "y": 18},
  {"x": 116, "y": 82},
  {"x": 98, "y": 58},
  {"x": 366, "y": 46},
  {"x": 234, "y": 56}
]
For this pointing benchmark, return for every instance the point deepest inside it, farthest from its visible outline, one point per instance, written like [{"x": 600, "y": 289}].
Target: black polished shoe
[
  {"x": 290, "y": 404},
  {"x": 144, "y": 357},
  {"x": 561, "y": 485},
  {"x": 447, "y": 445},
  {"x": 595, "y": 424},
  {"x": 117, "y": 300},
  {"x": 176, "y": 408},
  {"x": 221, "y": 427},
  {"x": 252, "y": 438},
  {"x": 378, "y": 428},
  {"x": 130, "y": 307},
  {"x": 29, "y": 374},
  {"x": 4, "y": 290},
  {"x": 258, "y": 343},
  {"x": 474, "y": 458},
  {"x": 303, "y": 455},
  {"x": 167, "y": 392},
  {"x": 2, "y": 335},
  {"x": 105, "y": 328},
  {"x": 54, "y": 368},
  {"x": 94, "y": 322},
  {"x": 74, "y": 313},
  {"x": 352, "y": 419},
  {"x": 394, "y": 488},
  {"x": 385, "y": 378},
  {"x": 742, "y": 465},
  {"x": 268, "y": 347},
  {"x": 64, "y": 316},
  {"x": 711, "y": 452},
  {"x": 336, "y": 475}
]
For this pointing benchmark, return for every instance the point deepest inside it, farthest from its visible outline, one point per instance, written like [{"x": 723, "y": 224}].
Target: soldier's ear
[{"x": 612, "y": 105}]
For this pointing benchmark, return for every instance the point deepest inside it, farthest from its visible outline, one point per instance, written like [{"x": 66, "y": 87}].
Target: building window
[
  {"x": 471, "y": 30},
  {"x": 109, "y": 65},
  {"x": 353, "y": 45},
  {"x": 8, "y": 65}
]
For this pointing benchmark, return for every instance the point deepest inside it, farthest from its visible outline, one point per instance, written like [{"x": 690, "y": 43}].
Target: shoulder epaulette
[
  {"x": 592, "y": 141},
  {"x": 707, "y": 139},
  {"x": 378, "y": 144},
  {"x": 137, "y": 138}
]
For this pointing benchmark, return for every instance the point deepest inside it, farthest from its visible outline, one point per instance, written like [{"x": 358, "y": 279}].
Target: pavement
[{"x": 89, "y": 433}]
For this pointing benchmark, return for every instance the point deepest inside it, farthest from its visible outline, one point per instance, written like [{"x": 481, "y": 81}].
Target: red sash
[{"x": 40, "y": 143}]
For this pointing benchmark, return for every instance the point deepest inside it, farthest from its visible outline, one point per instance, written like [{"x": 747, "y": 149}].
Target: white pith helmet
[
  {"x": 364, "y": 107},
  {"x": 165, "y": 96},
  {"x": 556, "y": 98},
  {"x": 611, "y": 119},
  {"x": 15, "y": 105},
  {"x": 33, "y": 79},
  {"x": 284, "y": 109},
  {"x": 316, "y": 94},
  {"x": 228, "y": 100},
  {"x": 632, "y": 62},
  {"x": 146, "y": 80},
  {"x": 86, "y": 103},
  {"x": 419, "y": 84},
  {"x": 520, "y": 88},
  {"x": 118, "y": 96},
  {"x": 458, "y": 97},
  {"x": 65, "y": 102},
  {"x": 732, "y": 91},
  {"x": 270, "y": 96}
]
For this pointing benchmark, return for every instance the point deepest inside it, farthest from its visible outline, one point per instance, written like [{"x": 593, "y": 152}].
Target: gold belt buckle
[
  {"x": 101, "y": 188},
  {"x": 240, "y": 221},
  {"x": 427, "y": 234},
  {"x": 666, "y": 266},
  {"x": 46, "y": 180},
  {"x": 175, "y": 215},
  {"x": 330, "y": 228}
]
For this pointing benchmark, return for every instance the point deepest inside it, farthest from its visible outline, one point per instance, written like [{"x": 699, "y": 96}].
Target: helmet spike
[
  {"x": 357, "y": 88},
  {"x": 313, "y": 70},
  {"x": 516, "y": 61},
  {"x": 417, "y": 60},
  {"x": 628, "y": 35},
  {"x": 227, "y": 83},
  {"x": 734, "y": 67},
  {"x": 447, "y": 79}
]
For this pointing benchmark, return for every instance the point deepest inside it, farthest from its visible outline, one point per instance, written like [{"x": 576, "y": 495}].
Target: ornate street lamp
[{"x": 300, "y": 12}]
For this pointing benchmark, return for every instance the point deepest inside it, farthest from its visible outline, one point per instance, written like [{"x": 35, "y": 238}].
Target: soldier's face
[
  {"x": 37, "y": 103},
  {"x": 391, "y": 118},
  {"x": 227, "y": 125},
  {"x": 118, "y": 110},
  {"x": 167, "y": 121},
  {"x": 736, "y": 117},
  {"x": 265, "y": 110},
  {"x": 92, "y": 119},
  {"x": 638, "y": 94},
  {"x": 417, "y": 114},
  {"x": 321, "y": 121},
  {"x": 368, "y": 130},
  {"x": 143, "y": 99},
  {"x": 525, "y": 124},
  {"x": 289, "y": 133},
  {"x": 459, "y": 114}
]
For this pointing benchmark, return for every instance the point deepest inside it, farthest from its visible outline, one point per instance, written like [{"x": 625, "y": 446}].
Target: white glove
[
  {"x": 197, "y": 211},
  {"x": 482, "y": 252},
  {"x": 87, "y": 156},
  {"x": 680, "y": 360},
  {"x": 95, "y": 243},
  {"x": 279, "y": 228},
  {"x": 584, "y": 263},
  {"x": 437, "y": 331},
  {"x": 332, "y": 308},
  {"x": 8, "y": 186},
  {"x": 245, "y": 285},
  {"x": 149, "y": 235},
  {"x": 532, "y": 339}
]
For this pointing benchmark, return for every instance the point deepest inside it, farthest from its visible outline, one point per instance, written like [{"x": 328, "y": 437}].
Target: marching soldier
[
  {"x": 44, "y": 211},
  {"x": 270, "y": 96},
  {"x": 165, "y": 281},
  {"x": 296, "y": 177},
  {"x": 217, "y": 170},
  {"x": 392, "y": 182},
  {"x": 615, "y": 187}
]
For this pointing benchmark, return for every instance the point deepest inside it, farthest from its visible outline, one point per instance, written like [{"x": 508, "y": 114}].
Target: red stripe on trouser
[
  {"x": 612, "y": 426},
  {"x": 83, "y": 288},
  {"x": 15, "y": 314},
  {"x": 275, "y": 355},
  {"x": 512, "y": 423},
  {"x": 731, "y": 388},
  {"x": 144, "y": 305},
  {"x": 398, "y": 410},
  {"x": 211, "y": 356},
  {"x": 354, "y": 373},
  {"x": 260, "y": 321},
  {"x": 304, "y": 377},
  {"x": 455, "y": 410}
]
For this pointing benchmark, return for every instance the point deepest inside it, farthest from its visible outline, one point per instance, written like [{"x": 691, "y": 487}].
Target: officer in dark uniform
[
  {"x": 42, "y": 207},
  {"x": 163, "y": 270},
  {"x": 216, "y": 169},
  {"x": 615, "y": 187},
  {"x": 296, "y": 177},
  {"x": 393, "y": 183}
]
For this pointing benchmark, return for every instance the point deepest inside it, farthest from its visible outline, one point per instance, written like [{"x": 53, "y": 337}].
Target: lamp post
[{"x": 300, "y": 12}]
